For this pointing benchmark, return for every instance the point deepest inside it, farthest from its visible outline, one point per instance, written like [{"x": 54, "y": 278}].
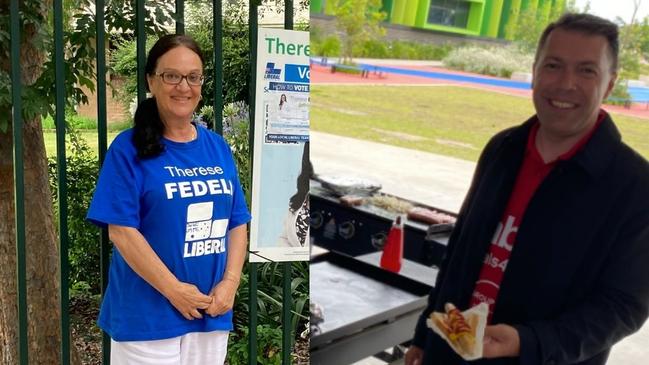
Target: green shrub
[
  {"x": 403, "y": 50},
  {"x": 269, "y": 297},
  {"x": 269, "y": 345},
  {"x": 433, "y": 52},
  {"x": 235, "y": 51},
  {"x": 329, "y": 47},
  {"x": 236, "y": 128},
  {"x": 235, "y": 56},
  {"x": 417, "y": 51},
  {"x": 123, "y": 62},
  {"x": 81, "y": 168},
  {"x": 315, "y": 33},
  {"x": 372, "y": 49},
  {"x": 644, "y": 68},
  {"x": 494, "y": 61},
  {"x": 82, "y": 290}
]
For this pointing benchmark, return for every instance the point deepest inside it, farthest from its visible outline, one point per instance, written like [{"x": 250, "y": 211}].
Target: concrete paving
[{"x": 435, "y": 180}]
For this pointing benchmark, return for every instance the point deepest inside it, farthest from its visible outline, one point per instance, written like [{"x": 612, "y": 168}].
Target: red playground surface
[{"x": 323, "y": 75}]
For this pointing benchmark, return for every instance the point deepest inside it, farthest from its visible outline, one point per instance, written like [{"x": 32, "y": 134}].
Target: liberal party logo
[
  {"x": 272, "y": 73},
  {"x": 203, "y": 235}
]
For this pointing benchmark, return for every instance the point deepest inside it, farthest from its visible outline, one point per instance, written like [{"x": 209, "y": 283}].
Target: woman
[
  {"x": 169, "y": 194},
  {"x": 297, "y": 220},
  {"x": 282, "y": 101}
]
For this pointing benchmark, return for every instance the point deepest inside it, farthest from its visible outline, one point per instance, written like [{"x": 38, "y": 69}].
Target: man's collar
[
  {"x": 595, "y": 155},
  {"x": 600, "y": 150}
]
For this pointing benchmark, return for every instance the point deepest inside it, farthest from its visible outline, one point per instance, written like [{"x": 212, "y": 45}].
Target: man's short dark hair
[{"x": 587, "y": 24}]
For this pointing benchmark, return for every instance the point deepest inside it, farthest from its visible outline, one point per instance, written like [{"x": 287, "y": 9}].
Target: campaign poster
[{"x": 281, "y": 166}]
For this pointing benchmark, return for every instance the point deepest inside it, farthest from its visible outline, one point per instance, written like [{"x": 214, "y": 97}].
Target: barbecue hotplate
[
  {"x": 362, "y": 229},
  {"x": 365, "y": 308}
]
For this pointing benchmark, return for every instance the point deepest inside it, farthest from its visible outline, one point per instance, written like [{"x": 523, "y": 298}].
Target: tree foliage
[
  {"x": 359, "y": 21},
  {"x": 634, "y": 39},
  {"x": 236, "y": 70},
  {"x": 79, "y": 39},
  {"x": 524, "y": 27},
  {"x": 81, "y": 175},
  {"x": 199, "y": 25},
  {"x": 634, "y": 44}
]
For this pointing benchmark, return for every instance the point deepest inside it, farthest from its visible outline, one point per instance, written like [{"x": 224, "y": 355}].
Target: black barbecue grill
[
  {"x": 366, "y": 309},
  {"x": 358, "y": 230}
]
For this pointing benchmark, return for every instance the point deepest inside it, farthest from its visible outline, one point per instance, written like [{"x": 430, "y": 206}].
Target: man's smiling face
[{"x": 572, "y": 76}]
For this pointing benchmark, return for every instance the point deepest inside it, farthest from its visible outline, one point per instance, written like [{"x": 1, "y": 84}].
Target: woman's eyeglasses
[{"x": 173, "y": 78}]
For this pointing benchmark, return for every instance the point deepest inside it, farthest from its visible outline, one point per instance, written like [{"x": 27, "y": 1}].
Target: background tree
[
  {"x": 199, "y": 25},
  {"x": 524, "y": 27},
  {"x": 359, "y": 20},
  {"x": 37, "y": 73},
  {"x": 632, "y": 38},
  {"x": 634, "y": 35},
  {"x": 37, "y": 69}
]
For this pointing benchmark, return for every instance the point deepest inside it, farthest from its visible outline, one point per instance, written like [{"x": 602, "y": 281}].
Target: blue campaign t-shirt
[{"x": 184, "y": 202}]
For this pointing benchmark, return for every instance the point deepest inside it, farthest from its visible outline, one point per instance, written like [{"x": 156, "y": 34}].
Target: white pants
[{"x": 198, "y": 348}]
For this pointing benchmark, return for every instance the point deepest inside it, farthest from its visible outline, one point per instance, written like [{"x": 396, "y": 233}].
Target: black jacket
[{"x": 577, "y": 280}]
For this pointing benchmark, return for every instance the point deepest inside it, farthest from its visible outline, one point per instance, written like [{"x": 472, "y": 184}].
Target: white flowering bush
[{"x": 494, "y": 61}]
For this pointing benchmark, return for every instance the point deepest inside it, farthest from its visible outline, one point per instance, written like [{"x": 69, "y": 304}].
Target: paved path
[{"x": 435, "y": 180}]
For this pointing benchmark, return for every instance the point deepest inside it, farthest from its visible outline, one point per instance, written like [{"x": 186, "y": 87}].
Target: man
[{"x": 554, "y": 231}]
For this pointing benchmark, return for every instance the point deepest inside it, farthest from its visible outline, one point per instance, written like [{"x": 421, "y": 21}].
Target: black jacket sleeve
[
  {"x": 421, "y": 328},
  {"x": 618, "y": 307}
]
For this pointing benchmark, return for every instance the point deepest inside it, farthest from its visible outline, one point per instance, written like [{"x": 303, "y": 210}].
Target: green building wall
[
  {"x": 410, "y": 12},
  {"x": 414, "y": 13},
  {"x": 315, "y": 6},
  {"x": 491, "y": 22},
  {"x": 486, "y": 18},
  {"x": 398, "y": 9},
  {"x": 511, "y": 13}
]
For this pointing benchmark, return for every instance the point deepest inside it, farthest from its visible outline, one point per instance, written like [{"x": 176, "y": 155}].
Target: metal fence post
[
  {"x": 141, "y": 49},
  {"x": 287, "y": 298},
  {"x": 61, "y": 167},
  {"x": 19, "y": 181},
  {"x": 102, "y": 146},
  {"x": 252, "y": 272},
  {"x": 217, "y": 19},
  {"x": 180, "y": 16},
  {"x": 287, "y": 303}
]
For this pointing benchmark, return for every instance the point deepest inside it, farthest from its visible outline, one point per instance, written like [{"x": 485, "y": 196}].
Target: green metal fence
[
  {"x": 19, "y": 181},
  {"x": 19, "y": 193}
]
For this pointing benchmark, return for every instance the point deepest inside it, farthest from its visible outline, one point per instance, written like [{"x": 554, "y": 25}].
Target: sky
[{"x": 610, "y": 9}]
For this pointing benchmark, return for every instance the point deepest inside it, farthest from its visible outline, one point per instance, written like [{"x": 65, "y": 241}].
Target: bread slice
[{"x": 463, "y": 339}]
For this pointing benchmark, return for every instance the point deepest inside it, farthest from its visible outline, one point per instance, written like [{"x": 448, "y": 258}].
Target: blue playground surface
[{"x": 638, "y": 94}]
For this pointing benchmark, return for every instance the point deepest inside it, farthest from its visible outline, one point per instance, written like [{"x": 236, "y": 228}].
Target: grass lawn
[
  {"x": 89, "y": 135},
  {"x": 447, "y": 120}
]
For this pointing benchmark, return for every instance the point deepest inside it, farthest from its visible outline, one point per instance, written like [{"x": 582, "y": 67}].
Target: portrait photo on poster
[{"x": 297, "y": 221}]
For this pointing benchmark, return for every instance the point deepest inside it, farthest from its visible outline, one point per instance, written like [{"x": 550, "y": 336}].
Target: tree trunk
[{"x": 43, "y": 312}]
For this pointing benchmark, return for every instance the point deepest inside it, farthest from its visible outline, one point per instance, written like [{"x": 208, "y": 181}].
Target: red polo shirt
[{"x": 532, "y": 172}]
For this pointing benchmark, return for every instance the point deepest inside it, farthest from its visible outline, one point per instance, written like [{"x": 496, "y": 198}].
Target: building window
[{"x": 452, "y": 13}]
